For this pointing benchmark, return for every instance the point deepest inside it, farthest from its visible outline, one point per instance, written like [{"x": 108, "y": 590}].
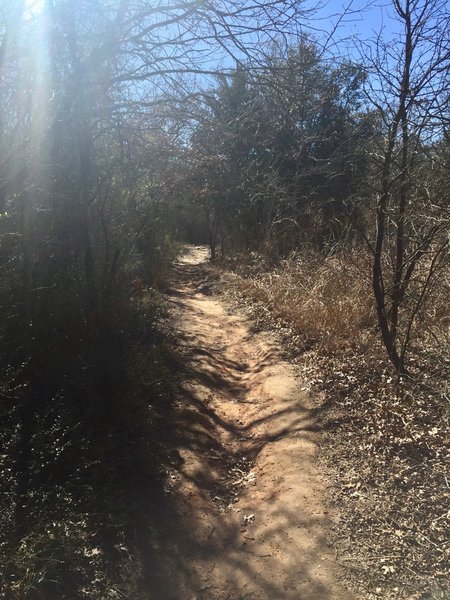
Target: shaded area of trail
[{"x": 243, "y": 516}]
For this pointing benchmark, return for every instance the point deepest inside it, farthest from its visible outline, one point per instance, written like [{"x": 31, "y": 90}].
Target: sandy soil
[{"x": 244, "y": 516}]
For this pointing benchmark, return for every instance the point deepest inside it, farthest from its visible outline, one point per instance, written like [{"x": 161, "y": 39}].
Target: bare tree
[{"x": 409, "y": 86}]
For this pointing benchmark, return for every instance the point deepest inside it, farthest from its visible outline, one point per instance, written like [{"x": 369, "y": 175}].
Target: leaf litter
[{"x": 386, "y": 453}]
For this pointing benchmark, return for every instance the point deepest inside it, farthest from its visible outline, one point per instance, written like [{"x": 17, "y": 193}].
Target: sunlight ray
[{"x": 33, "y": 8}]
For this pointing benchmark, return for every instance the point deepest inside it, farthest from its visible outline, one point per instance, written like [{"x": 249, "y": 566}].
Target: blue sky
[
  {"x": 365, "y": 18},
  {"x": 362, "y": 20}
]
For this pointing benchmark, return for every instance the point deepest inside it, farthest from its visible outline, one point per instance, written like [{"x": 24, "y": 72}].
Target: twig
[
  {"x": 120, "y": 593},
  {"x": 369, "y": 558}
]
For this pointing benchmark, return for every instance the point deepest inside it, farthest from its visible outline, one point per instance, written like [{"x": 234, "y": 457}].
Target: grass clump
[{"x": 323, "y": 299}]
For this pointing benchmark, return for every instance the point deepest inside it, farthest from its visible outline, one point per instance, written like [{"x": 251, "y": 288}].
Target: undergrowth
[
  {"x": 97, "y": 464},
  {"x": 324, "y": 301},
  {"x": 385, "y": 446}
]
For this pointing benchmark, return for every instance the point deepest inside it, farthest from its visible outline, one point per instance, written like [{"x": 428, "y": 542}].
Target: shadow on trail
[
  {"x": 177, "y": 539},
  {"x": 193, "y": 545}
]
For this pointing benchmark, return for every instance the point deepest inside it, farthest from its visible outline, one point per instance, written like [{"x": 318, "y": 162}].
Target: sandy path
[{"x": 245, "y": 517}]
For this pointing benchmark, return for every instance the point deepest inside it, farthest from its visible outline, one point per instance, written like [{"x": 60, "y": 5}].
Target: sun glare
[{"x": 33, "y": 8}]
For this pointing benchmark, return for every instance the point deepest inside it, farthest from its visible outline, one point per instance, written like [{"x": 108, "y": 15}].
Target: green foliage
[{"x": 277, "y": 158}]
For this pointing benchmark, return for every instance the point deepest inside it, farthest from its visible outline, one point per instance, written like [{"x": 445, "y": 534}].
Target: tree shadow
[
  {"x": 178, "y": 546},
  {"x": 191, "y": 540}
]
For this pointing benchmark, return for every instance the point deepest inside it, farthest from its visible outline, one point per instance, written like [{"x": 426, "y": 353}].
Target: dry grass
[
  {"x": 386, "y": 450},
  {"x": 326, "y": 301}
]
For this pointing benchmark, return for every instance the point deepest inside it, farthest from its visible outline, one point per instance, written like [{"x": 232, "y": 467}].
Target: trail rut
[{"x": 245, "y": 517}]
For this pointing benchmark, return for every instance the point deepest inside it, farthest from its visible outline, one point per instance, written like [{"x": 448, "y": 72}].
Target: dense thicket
[
  {"x": 278, "y": 158},
  {"x": 88, "y": 114}
]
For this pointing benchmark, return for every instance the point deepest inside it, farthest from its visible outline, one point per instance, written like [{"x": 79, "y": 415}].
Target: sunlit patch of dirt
[{"x": 244, "y": 515}]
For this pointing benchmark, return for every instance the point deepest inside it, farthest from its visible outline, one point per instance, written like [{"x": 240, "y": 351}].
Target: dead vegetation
[
  {"x": 385, "y": 445},
  {"x": 325, "y": 302}
]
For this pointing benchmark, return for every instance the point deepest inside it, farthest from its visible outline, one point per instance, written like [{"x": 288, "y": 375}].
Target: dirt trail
[{"x": 245, "y": 518}]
